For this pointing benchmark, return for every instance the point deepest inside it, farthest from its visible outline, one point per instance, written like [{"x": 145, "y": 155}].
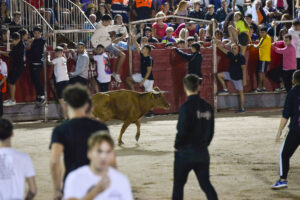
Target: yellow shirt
[
  {"x": 265, "y": 48},
  {"x": 240, "y": 25}
]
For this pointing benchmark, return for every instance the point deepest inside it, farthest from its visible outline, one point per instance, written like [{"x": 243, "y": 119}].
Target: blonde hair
[
  {"x": 180, "y": 6},
  {"x": 160, "y": 14},
  {"x": 98, "y": 138},
  {"x": 182, "y": 33}
]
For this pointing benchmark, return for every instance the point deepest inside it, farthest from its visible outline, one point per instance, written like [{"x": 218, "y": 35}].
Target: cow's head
[{"x": 159, "y": 99}]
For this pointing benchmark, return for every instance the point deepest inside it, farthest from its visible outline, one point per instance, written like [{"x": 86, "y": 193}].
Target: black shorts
[
  {"x": 263, "y": 66},
  {"x": 60, "y": 86},
  {"x": 104, "y": 87},
  {"x": 14, "y": 75},
  {"x": 298, "y": 63}
]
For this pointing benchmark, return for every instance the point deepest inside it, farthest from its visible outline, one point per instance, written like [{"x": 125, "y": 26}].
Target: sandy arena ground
[{"x": 244, "y": 157}]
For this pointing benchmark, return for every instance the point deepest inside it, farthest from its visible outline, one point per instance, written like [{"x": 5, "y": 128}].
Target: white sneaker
[
  {"x": 117, "y": 77},
  {"x": 10, "y": 103},
  {"x": 7, "y": 100}
]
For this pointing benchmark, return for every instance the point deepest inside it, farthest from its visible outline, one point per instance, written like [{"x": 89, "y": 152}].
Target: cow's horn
[
  {"x": 163, "y": 92},
  {"x": 159, "y": 92}
]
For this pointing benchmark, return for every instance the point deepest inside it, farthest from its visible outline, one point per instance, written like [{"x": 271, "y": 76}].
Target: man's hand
[
  {"x": 103, "y": 184},
  {"x": 57, "y": 195},
  {"x": 142, "y": 83},
  {"x": 278, "y": 136}
]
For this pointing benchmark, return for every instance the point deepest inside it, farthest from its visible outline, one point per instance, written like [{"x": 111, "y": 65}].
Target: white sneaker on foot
[
  {"x": 10, "y": 103},
  {"x": 117, "y": 77}
]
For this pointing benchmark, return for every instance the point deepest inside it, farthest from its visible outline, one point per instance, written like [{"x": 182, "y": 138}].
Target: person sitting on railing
[
  {"x": 102, "y": 36},
  {"x": 159, "y": 27},
  {"x": 4, "y": 13},
  {"x": 15, "y": 25}
]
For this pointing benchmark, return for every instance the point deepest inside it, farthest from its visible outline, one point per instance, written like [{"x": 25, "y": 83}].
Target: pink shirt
[
  {"x": 161, "y": 32},
  {"x": 288, "y": 56}
]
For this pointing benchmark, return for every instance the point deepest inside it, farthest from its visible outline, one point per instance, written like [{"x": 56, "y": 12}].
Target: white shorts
[{"x": 148, "y": 84}]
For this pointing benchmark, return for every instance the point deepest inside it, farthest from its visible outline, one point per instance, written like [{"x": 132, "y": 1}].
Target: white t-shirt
[
  {"x": 103, "y": 68},
  {"x": 80, "y": 181},
  {"x": 3, "y": 68},
  {"x": 101, "y": 34},
  {"x": 60, "y": 69},
  {"x": 295, "y": 40},
  {"x": 15, "y": 166}
]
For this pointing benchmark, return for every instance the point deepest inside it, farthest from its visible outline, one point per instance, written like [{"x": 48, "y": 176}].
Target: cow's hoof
[
  {"x": 120, "y": 142},
  {"x": 137, "y": 137}
]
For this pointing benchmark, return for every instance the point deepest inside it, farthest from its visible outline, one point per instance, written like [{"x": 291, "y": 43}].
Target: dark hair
[
  {"x": 6, "y": 129},
  {"x": 17, "y": 13},
  {"x": 288, "y": 36},
  {"x": 106, "y": 17},
  {"x": 191, "y": 82},
  {"x": 249, "y": 15},
  {"x": 296, "y": 22},
  {"x": 190, "y": 38},
  {"x": 196, "y": 46},
  {"x": 37, "y": 28},
  {"x": 4, "y": 31},
  {"x": 148, "y": 47},
  {"x": 98, "y": 138},
  {"x": 147, "y": 29},
  {"x": 63, "y": 45},
  {"x": 169, "y": 44},
  {"x": 15, "y": 36},
  {"x": 77, "y": 96},
  {"x": 100, "y": 46},
  {"x": 57, "y": 49},
  {"x": 296, "y": 77},
  {"x": 180, "y": 41},
  {"x": 23, "y": 32},
  {"x": 263, "y": 28}
]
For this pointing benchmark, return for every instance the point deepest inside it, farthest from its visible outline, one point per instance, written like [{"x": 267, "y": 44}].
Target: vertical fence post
[
  {"x": 45, "y": 88},
  {"x": 130, "y": 49},
  {"x": 215, "y": 67}
]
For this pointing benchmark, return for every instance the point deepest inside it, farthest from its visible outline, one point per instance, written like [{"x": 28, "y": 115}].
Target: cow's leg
[
  {"x": 138, "y": 133},
  {"x": 124, "y": 127}
]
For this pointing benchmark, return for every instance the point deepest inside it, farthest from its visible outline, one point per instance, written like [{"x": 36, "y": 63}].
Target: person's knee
[
  {"x": 220, "y": 75},
  {"x": 122, "y": 54}
]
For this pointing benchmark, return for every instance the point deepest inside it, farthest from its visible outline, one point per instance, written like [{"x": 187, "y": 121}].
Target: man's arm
[
  {"x": 183, "y": 54},
  {"x": 32, "y": 189},
  {"x": 55, "y": 167},
  {"x": 258, "y": 45},
  {"x": 117, "y": 40},
  {"x": 211, "y": 126},
  {"x": 184, "y": 123},
  {"x": 149, "y": 69},
  {"x": 84, "y": 62},
  {"x": 282, "y": 125},
  {"x": 233, "y": 5},
  {"x": 220, "y": 46},
  {"x": 280, "y": 50},
  {"x": 136, "y": 44}
]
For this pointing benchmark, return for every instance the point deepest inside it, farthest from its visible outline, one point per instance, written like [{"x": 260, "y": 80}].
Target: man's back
[
  {"x": 15, "y": 167},
  {"x": 73, "y": 135}
]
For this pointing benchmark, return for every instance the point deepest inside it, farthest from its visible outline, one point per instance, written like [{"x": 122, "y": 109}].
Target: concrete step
[
  {"x": 252, "y": 100},
  {"x": 31, "y": 111}
]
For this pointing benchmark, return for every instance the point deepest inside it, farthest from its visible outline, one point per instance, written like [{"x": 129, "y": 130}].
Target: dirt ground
[{"x": 244, "y": 157}]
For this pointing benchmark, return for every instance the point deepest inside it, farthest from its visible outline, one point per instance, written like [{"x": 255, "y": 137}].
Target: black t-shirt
[
  {"x": 145, "y": 63},
  {"x": 143, "y": 12},
  {"x": 36, "y": 52},
  {"x": 73, "y": 135},
  {"x": 17, "y": 55},
  {"x": 291, "y": 108},
  {"x": 236, "y": 62},
  {"x": 210, "y": 17}
]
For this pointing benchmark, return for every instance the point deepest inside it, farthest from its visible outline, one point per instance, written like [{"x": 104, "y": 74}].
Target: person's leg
[
  {"x": 221, "y": 77},
  {"x": 233, "y": 34},
  {"x": 181, "y": 171},
  {"x": 35, "y": 73},
  {"x": 287, "y": 77},
  {"x": 298, "y": 63},
  {"x": 63, "y": 107},
  {"x": 121, "y": 59},
  {"x": 104, "y": 87},
  {"x": 130, "y": 82},
  {"x": 12, "y": 91},
  {"x": 202, "y": 172},
  {"x": 288, "y": 148},
  {"x": 260, "y": 80}
]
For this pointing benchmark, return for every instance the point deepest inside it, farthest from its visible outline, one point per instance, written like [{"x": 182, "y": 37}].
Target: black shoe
[{"x": 149, "y": 114}]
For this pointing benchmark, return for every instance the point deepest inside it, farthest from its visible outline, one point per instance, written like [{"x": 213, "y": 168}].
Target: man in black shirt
[
  {"x": 36, "y": 60},
  {"x": 70, "y": 138},
  {"x": 197, "y": 13},
  {"x": 210, "y": 14},
  {"x": 223, "y": 11},
  {"x": 195, "y": 132},
  {"x": 15, "y": 25},
  {"x": 148, "y": 37},
  {"x": 17, "y": 67},
  {"x": 195, "y": 59},
  {"x": 291, "y": 110},
  {"x": 236, "y": 74}
]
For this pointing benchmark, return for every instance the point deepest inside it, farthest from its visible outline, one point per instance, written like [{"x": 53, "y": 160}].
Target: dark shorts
[
  {"x": 104, "y": 87},
  {"x": 263, "y": 66},
  {"x": 298, "y": 63},
  {"x": 60, "y": 86},
  {"x": 14, "y": 75},
  {"x": 78, "y": 79}
]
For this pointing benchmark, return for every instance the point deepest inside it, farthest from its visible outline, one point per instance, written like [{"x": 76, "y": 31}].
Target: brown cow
[{"x": 128, "y": 106}]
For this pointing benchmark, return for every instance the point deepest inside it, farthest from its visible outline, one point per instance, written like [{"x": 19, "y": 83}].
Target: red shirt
[{"x": 161, "y": 32}]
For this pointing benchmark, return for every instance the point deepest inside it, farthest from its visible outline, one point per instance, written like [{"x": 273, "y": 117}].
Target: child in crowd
[
  {"x": 61, "y": 77},
  {"x": 159, "y": 27},
  {"x": 182, "y": 11},
  {"x": 103, "y": 68},
  {"x": 17, "y": 63},
  {"x": 3, "y": 76},
  {"x": 289, "y": 61},
  {"x": 169, "y": 37},
  {"x": 264, "y": 47},
  {"x": 180, "y": 44}
]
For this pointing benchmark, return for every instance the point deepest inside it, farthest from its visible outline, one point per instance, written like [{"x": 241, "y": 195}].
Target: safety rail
[{"x": 30, "y": 17}]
